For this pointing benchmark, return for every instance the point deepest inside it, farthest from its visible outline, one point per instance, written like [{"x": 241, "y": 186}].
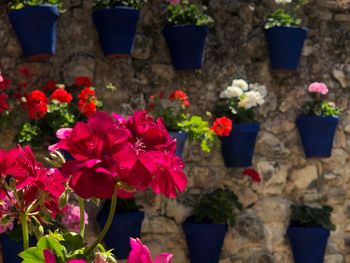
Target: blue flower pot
[
  {"x": 317, "y": 134},
  {"x": 11, "y": 248},
  {"x": 204, "y": 241},
  {"x": 116, "y": 27},
  {"x": 124, "y": 226},
  {"x": 285, "y": 46},
  {"x": 180, "y": 142},
  {"x": 308, "y": 243},
  {"x": 35, "y": 27},
  {"x": 186, "y": 44},
  {"x": 238, "y": 147}
]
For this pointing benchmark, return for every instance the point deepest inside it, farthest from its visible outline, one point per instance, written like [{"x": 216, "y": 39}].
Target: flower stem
[
  {"x": 25, "y": 231},
  {"x": 108, "y": 223},
  {"x": 82, "y": 216}
]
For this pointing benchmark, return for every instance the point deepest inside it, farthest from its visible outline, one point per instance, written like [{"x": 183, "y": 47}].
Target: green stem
[
  {"x": 25, "y": 231},
  {"x": 107, "y": 225},
  {"x": 82, "y": 216}
]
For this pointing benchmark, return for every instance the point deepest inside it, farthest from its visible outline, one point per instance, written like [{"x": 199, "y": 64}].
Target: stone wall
[{"x": 236, "y": 49}]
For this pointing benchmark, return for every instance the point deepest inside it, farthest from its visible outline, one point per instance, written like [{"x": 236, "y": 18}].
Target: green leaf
[
  {"x": 72, "y": 242},
  {"x": 48, "y": 242},
  {"x": 32, "y": 255}
]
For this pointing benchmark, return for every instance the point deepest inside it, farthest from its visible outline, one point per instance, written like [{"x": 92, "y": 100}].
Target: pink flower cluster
[
  {"x": 140, "y": 254},
  {"x": 318, "y": 87},
  {"x": 6, "y": 221},
  {"x": 71, "y": 218},
  {"x": 137, "y": 153}
]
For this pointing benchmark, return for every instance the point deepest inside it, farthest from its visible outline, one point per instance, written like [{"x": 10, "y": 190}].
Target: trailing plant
[
  {"x": 318, "y": 106},
  {"x": 173, "y": 110},
  {"x": 182, "y": 12},
  {"x": 137, "y": 4},
  {"x": 284, "y": 17},
  {"x": 239, "y": 99},
  {"x": 218, "y": 207},
  {"x": 18, "y": 4},
  {"x": 306, "y": 216}
]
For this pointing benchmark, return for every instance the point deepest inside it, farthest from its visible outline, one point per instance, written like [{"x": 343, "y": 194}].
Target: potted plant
[
  {"x": 285, "y": 37},
  {"x": 34, "y": 23},
  {"x": 309, "y": 231},
  {"x": 53, "y": 107},
  {"x": 107, "y": 158},
  {"x": 318, "y": 123},
  {"x": 125, "y": 225},
  {"x": 116, "y": 23},
  {"x": 206, "y": 230},
  {"x": 185, "y": 33},
  {"x": 181, "y": 125},
  {"x": 238, "y": 101}
]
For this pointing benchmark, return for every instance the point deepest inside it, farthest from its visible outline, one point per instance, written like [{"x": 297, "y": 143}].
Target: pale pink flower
[
  {"x": 318, "y": 87},
  {"x": 71, "y": 218},
  {"x": 140, "y": 254}
]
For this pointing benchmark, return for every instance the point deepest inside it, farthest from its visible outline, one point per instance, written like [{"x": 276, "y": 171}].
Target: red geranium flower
[
  {"x": 25, "y": 72},
  {"x": 3, "y": 103},
  {"x": 83, "y": 81},
  {"x": 37, "y": 104},
  {"x": 93, "y": 145},
  {"x": 253, "y": 174},
  {"x": 181, "y": 96},
  {"x": 222, "y": 126},
  {"x": 62, "y": 96},
  {"x": 50, "y": 85},
  {"x": 87, "y": 101},
  {"x": 4, "y": 83}
]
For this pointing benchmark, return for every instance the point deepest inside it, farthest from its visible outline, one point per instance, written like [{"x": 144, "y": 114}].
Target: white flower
[
  {"x": 251, "y": 99},
  {"x": 259, "y": 88},
  {"x": 240, "y": 83},
  {"x": 231, "y": 92},
  {"x": 283, "y": 1}
]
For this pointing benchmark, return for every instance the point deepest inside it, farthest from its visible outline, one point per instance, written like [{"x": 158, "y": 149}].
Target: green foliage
[
  {"x": 321, "y": 108},
  {"x": 18, "y": 4},
  {"x": 198, "y": 130},
  {"x": 137, "y": 4},
  {"x": 218, "y": 207},
  {"x": 28, "y": 133},
  {"x": 282, "y": 17},
  {"x": 35, "y": 132},
  {"x": 231, "y": 110},
  {"x": 186, "y": 13},
  {"x": 306, "y": 216},
  {"x": 65, "y": 246}
]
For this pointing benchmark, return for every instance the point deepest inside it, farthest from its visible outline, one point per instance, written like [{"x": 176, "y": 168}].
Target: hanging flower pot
[
  {"x": 116, "y": 27},
  {"x": 35, "y": 27},
  {"x": 124, "y": 226},
  {"x": 308, "y": 243},
  {"x": 285, "y": 46},
  {"x": 204, "y": 241},
  {"x": 238, "y": 147},
  {"x": 317, "y": 134},
  {"x": 11, "y": 248},
  {"x": 180, "y": 138},
  {"x": 186, "y": 45}
]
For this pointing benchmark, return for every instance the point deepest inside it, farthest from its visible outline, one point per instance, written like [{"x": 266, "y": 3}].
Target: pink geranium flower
[
  {"x": 140, "y": 254},
  {"x": 318, "y": 87}
]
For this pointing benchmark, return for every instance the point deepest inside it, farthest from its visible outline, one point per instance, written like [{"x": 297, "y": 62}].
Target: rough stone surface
[{"x": 236, "y": 48}]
